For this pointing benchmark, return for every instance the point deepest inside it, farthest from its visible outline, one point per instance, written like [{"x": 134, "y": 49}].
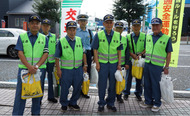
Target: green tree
[
  {"x": 128, "y": 10},
  {"x": 47, "y": 9}
]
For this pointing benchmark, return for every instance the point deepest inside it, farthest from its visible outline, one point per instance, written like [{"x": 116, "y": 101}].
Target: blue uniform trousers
[
  {"x": 107, "y": 72},
  {"x": 70, "y": 77},
  {"x": 152, "y": 77},
  {"x": 49, "y": 70}
]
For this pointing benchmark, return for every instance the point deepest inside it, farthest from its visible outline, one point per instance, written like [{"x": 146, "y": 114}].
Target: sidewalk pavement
[{"x": 181, "y": 106}]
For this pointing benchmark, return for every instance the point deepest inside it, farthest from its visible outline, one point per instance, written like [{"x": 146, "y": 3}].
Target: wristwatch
[
  {"x": 166, "y": 67},
  {"x": 36, "y": 66},
  {"x": 86, "y": 65}
]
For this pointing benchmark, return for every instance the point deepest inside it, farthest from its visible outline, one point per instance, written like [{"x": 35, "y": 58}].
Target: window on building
[
  {"x": 21, "y": 21},
  {"x": 16, "y": 22}
]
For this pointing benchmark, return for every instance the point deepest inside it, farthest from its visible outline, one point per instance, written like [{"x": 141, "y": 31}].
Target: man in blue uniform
[
  {"x": 86, "y": 35},
  {"x": 158, "y": 55},
  {"x": 119, "y": 27},
  {"x": 136, "y": 47},
  {"x": 46, "y": 26},
  {"x": 72, "y": 54},
  {"x": 107, "y": 55},
  {"x": 34, "y": 36}
]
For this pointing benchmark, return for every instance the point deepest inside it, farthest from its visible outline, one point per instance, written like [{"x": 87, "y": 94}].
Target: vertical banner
[
  {"x": 171, "y": 13},
  {"x": 69, "y": 11},
  {"x": 3, "y": 23},
  {"x": 25, "y": 25}
]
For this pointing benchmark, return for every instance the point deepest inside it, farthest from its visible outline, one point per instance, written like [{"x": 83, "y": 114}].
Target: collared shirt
[
  {"x": 169, "y": 44},
  {"x": 85, "y": 37},
  {"x": 58, "y": 52},
  {"x": 135, "y": 37},
  {"x": 32, "y": 38},
  {"x": 95, "y": 42}
]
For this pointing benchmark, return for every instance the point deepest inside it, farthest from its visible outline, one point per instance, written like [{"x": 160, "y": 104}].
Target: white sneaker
[
  {"x": 155, "y": 108},
  {"x": 143, "y": 105}
]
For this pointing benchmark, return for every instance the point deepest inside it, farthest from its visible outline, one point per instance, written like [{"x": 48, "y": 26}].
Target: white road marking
[
  {"x": 6, "y": 60},
  {"x": 182, "y": 66}
]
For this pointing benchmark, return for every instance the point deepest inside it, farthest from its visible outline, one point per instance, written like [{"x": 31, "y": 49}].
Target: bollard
[{"x": 187, "y": 40}]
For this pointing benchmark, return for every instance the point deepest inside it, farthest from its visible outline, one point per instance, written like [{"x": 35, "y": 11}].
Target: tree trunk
[{"x": 129, "y": 27}]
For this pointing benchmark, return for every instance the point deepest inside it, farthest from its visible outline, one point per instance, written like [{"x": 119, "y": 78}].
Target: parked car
[{"x": 8, "y": 40}]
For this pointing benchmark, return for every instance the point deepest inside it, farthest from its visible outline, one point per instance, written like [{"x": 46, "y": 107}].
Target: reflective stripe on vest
[
  {"x": 108, "y": 52},
  {"x": 70, "y": 59},
  {"x": 156, "y": 54},
  {"x": 33, "y": 53},
  {"x": 51, "y": 47}
]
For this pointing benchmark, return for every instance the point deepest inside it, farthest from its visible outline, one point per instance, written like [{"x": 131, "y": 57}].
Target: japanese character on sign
[
  {"x": 174, "y": 33},
  {"x": 167, "y": 1},
  {"x": 165, "y": 31},
  {"x": 175, "y": 22},
  {"x": 70, "y": 14},
  {"x": 175, "y": 27},
  {"x": 177, "y": 6},
  {"x": 166, "y": 16},
  {"x": 65, "y": 27},
  {"x": 173, "y": 39},
  {"x": 166, "y": 23},
  {"x": 176, "y": 17},
  {"x": 178, "y": 1},
  {"x": 167, "y": 8}
]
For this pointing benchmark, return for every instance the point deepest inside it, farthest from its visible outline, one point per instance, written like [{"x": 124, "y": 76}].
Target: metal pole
[{"x": 156, "y": 8}]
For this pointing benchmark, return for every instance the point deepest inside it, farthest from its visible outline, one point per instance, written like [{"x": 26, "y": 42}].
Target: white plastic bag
[
  {"x": 94, "y": 74},
  {"x": 124, "y": 72},
  {"x": 119, "y": 75},
  {"x": 139, "y": 63},
  {"x": 166, "y": 87},
  {"x": 25, "y": 78},
  {"x": 85, "y": 76}
]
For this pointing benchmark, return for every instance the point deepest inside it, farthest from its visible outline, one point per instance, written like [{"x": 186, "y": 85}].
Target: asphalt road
[{"x": 9, "y": 69}]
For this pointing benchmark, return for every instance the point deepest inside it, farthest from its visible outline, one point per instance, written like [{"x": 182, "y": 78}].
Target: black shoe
[
  {"x": 74, "y": 107},
  {"x": 119, "y": 98},
  {"x": 139, "y": 98},
  {"x": 100, "y": 108},
  {"x": 113, "y": 108},
  {"x": 85, "y": 96},
  {"x": 63, "y": 108},
  {"x": 125, "y": 97},
  {"x": 40, "y": 103},
  {"x": 52, "y": 100}
]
